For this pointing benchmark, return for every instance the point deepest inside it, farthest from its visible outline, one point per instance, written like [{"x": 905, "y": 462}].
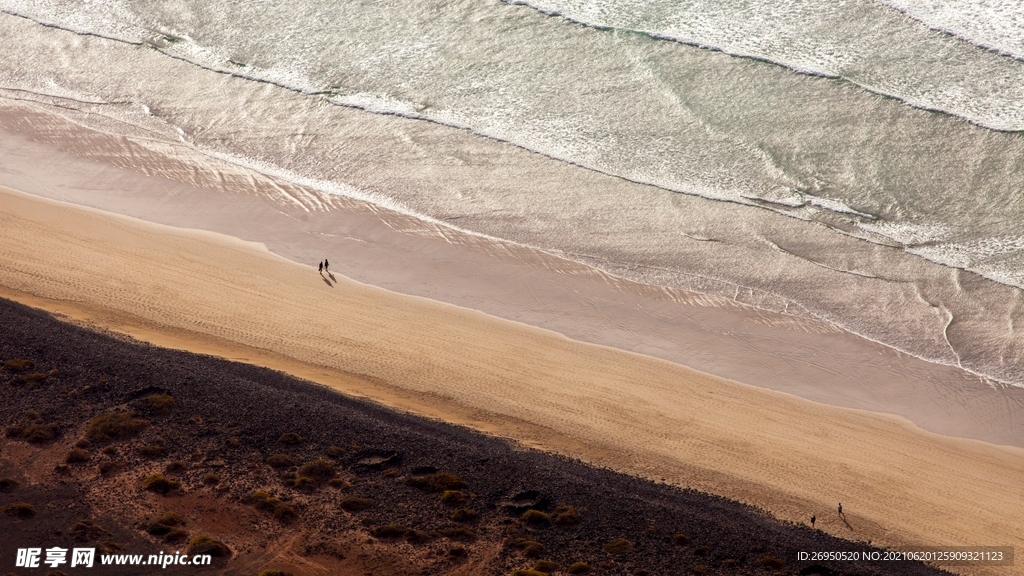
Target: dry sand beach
[{"x": 900, "y": 485}]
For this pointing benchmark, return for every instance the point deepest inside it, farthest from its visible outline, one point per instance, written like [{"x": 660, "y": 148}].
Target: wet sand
[
  {"x": 212, "y": 293},
  {"x": 46, "y": 155}
]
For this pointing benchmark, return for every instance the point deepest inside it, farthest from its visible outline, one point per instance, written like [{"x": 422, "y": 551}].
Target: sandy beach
[{"x": 900, "y": 485}]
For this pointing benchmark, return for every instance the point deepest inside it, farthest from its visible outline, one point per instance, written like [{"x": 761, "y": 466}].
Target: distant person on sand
[
  {"x": 813, "y": 518},
  {"x": 321, "y": 268},
  {"x": 326, "y": 265},
  {"x": 840, "y": 508}
]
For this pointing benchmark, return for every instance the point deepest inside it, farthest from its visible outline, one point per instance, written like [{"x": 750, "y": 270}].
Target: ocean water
[{"x": 882, "y": 138}]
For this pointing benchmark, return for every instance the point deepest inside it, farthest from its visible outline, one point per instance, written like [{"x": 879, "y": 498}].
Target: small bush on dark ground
[
  {"x": 389, "y": 531},
  {"x": 545, "y": 566},
  {"x": 578, "y": 568},
  {"x": 18, "y": 364},
  {"x": 436, "y": 482},
  {"x": 116, "y": 426},
  {"x": 76, "y": 456},
  {"x": 453, "y": 497},
  {"x": 152, "y": 451},
  {"x": 565, "y": 515},
  {"x": 280, "y": 461},
  {"x": 159, "y": 484},
  {"x": 87, "y": 531},
  {"x": 207, "y": 545},
  {"x": 464, "y": 515},
  {"x": 536, "y": 517},
  {"x": 320, "y": 470},
  {"x": 19, "y": 509},
  {"x": 34, "y": 432},
  {"x": 357, "y": 504},
  {"x": 161, "y": 404},
  {"x": 291, "y": 439},
  {"x": 618, "y": 546}
]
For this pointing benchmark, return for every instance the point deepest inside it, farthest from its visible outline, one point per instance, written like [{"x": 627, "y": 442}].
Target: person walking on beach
[
  {"x": 326, "y": 266},
  {"x": 813, "y": 518},
  {"x": 840, "y": 509},
  {"x": 321, "y": 268}
]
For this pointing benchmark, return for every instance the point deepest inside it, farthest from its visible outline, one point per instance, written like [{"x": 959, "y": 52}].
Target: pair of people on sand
[{"x": 324, "y": 265}]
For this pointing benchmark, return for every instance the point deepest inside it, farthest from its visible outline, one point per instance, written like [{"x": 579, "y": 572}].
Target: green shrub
[
  {"x": 8, "y": 485},
  {"x": 19, "y": 509},
  {"x": 280, "y": 461},
  {"x": 389, "y": 531},
  {"x": 115, "y": 426},
  {"x": 335, "y": 451},
  {"x": 464, "y": 515},
  {"x": 337, "y": 483},
  {"x": 699, "y": 569},
  {"x": 207, "y": 545},
  {"x": 355, "y": 504},
  {"x": 527, "y": 573},
  {"x": 702, "y": 551},
  {"x": 273, "y": 573},
  {"x": 211, "y": 479},
  {"x": 578, "y": 568},
  {"x": 436, "y": 482},
  {"x": 771, "y": 562},
  {"x": 76, "y": 456},
  {"x": 159, "y": 484},
  {"x": 681, "y": 539},
  {"x": 618, "y": 546},
  {"x": 536, "y": 517}
]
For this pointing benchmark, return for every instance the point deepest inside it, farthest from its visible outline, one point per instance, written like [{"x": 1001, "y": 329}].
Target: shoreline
[
  {"x": 613, "y": 408},
  {"x": 811, "y": 359}
]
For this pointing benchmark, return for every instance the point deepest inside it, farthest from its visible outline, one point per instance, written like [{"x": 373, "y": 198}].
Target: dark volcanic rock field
[{"x": 136, "y": 449}]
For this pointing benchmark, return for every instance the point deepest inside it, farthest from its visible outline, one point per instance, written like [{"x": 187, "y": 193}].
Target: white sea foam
[{"x": 650, "y": 111}]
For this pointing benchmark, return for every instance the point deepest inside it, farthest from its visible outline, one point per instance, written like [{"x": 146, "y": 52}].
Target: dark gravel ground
[{"x": 229, "y": 417}]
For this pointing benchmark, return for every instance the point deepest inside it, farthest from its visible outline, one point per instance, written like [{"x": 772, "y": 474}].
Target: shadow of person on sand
[
  {"x": 843, "y": 518},
  {"x": 332, "y": 277},
  {"x": 326, "y": 281}
]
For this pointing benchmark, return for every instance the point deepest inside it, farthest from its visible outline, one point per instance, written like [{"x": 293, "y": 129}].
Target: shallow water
[{"x": 895, "y": 161}]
